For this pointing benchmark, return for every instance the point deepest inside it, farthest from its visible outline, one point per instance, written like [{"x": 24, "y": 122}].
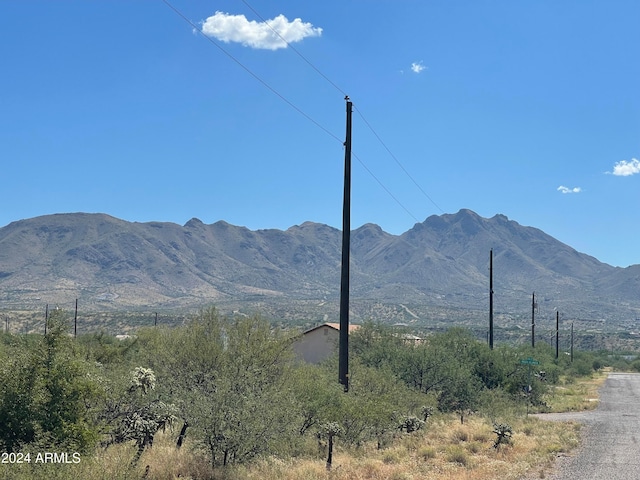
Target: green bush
[
  {"x": 456, "y": 454},
  {"x": 47, "y": 393}
]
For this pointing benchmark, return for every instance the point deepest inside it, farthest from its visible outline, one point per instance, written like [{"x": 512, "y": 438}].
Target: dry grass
[
  {"x": 578, "y": 396},
  {"x": 444, "y": 450},
  {"x": 447, "y": 450},
  {"x": 442, "y": 454}
]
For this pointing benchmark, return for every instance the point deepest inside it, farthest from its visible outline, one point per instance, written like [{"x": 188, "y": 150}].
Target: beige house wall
[{"x": 317, "y": 345}]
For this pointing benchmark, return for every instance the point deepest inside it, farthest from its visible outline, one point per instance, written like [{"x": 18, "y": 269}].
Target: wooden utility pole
[
  {"x": 155, "y": 322},
  {"x": 491, "y": 299},
  {"x": 343, "y": 347},
  {"x": 533, "y": 320},
  {"x": 571, "y": 342},
  {"x": 75, "y": 321},
  {"x": 46, "y": 318},
  {"x": 557, "y": 334}
]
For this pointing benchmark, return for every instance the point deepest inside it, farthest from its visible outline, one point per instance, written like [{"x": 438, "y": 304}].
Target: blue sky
[{"x": 146, "y": 112}]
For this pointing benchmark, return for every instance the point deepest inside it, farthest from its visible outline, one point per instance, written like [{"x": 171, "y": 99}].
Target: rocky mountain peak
[{"x": 441, "y": 260}]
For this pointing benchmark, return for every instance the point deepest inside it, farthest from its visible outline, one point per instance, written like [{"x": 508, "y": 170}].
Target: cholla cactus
[
  {"x": 143, "y": 379},
  {"x": 141, "y": 425},
  {"x": 330, "y": 430},
  {"x": 504, "y": 433},
  {"x": 427, "y": 411},
  {"x": 410, "y": 423}
]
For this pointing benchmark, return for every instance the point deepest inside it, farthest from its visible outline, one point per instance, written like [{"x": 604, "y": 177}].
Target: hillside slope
[{"x": 112, "y": 264}]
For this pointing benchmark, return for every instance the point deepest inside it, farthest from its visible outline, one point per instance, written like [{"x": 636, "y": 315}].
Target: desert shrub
[
  {"x": 456, "y": 454},
  {"x": 47, "y": 393},
  {"x": 473, "y": 447},
  {"x": 391, "y": 456},
  {"x": 460, "y": 435},
  {"x": 426, "y": 453}
]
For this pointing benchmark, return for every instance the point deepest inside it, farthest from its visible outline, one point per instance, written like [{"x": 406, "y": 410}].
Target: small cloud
[
  {"x": 625, "y": 169},
  {"x": 564, "y": 189},
  {"x": 270, "y": 35},
  {"x": 417, "y": 67}
]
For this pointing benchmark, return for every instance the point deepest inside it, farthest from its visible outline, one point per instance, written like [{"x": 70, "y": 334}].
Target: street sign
[
  {"x": 528, "y": 388},
  {"x": 529, "y": 361}
]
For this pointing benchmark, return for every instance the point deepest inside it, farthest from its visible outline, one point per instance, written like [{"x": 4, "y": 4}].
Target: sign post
[{"x": 529, "y": 361}]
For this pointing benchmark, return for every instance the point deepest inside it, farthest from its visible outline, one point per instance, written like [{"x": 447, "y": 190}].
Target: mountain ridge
[{"x": 109, "y": 263}]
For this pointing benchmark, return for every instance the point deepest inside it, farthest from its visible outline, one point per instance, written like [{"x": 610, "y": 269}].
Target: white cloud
[
  {"x": 236, "y": 28},
  {"x": 625, "y": 169},
  {"x": 564, "y": 189},
  {"x": 417, "y": 67}
]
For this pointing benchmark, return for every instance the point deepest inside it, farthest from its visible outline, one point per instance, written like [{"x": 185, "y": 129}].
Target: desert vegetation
[{"x": 225, "y": 398}]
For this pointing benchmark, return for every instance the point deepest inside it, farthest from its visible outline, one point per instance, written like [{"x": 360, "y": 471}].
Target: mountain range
[{"x": 439, "y": 265}]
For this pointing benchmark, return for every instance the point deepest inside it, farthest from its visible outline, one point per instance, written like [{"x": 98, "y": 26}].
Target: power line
[
  {"x": 283, "y": 98},
  {"x": 397, "y": 161},
  {"x": 250, "y": 72},
  {"x": 318, "y": 71},
  {"x": 308, "y": 62},
  {"x": 385, "y": 188}
]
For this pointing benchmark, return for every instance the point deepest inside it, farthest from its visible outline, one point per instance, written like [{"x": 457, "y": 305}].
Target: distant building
[
  {"x": 409, "y": 338},
  {"x": 319, "y": 343}
]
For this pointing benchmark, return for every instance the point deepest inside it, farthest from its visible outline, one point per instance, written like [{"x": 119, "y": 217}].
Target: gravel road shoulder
[{"x": 610, "y": 437}]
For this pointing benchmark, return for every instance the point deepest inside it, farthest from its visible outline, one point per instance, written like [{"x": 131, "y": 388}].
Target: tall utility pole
[
  {"x": 571, "y": 342},
  {"x": 46, "y": 318},
  {"x": 75, "y": 321},
  {"x": 343, "y": 347},
  {"x": 491, "y": 299},
  {"x": 533, "y": 320},
  {"x": 557, "y": 334}
]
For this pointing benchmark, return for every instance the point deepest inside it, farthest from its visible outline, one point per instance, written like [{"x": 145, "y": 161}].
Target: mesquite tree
[{"x": 229, "y": 378}]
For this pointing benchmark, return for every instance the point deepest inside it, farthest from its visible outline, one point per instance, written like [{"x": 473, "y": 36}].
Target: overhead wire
[
  {"x": 254, "y": 75},
  {"x": 384, "y": 187},
  {"x": 308, "y": 62},
  {"x": 291, "y": 104},
  {"x": 337, "y": 87},
  {"x": 397, "y": 161}
]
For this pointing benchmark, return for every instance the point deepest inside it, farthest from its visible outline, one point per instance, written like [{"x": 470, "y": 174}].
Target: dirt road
[{"x": 611, "y": 435}]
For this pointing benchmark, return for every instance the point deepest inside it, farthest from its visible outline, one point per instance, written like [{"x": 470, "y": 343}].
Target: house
[{"x": 319, "y": 343}]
